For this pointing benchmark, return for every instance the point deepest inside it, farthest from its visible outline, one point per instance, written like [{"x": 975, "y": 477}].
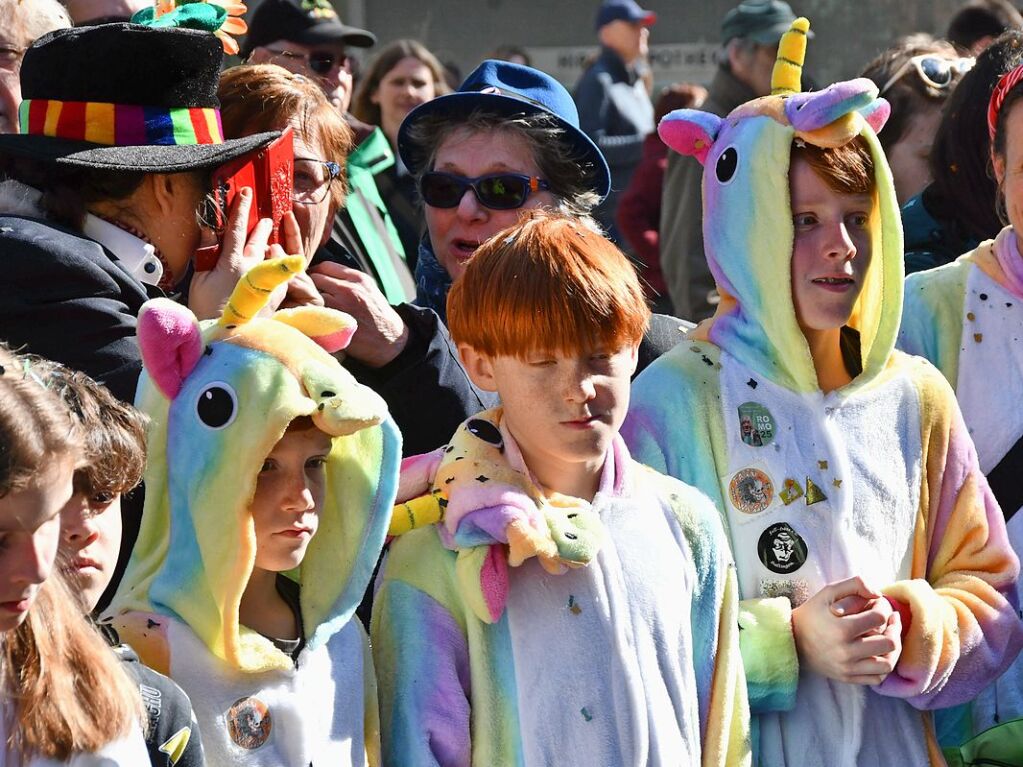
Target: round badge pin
[
  {"x": 781, "y": 549},
  {"x": 756, "y": 424},
  {"x": 249, "y": 723},
  {"x": 751, "y": 491}
]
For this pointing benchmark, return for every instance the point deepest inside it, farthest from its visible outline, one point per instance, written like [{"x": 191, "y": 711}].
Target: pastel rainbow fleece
[
  {"x": 877, "y": 478},
  {"x": 120, "y": 124}
]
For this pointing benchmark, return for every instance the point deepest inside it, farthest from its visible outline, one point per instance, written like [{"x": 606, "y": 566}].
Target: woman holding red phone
[{"x": 104, "y": 191}]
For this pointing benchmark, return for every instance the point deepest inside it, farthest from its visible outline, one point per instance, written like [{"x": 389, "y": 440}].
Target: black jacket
[
  {"x": 172, "y": 734},
  {"x": 64, "y": 297}
]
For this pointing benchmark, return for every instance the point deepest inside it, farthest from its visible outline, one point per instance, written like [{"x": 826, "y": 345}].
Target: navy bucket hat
[{"x": 504, "y": 88}]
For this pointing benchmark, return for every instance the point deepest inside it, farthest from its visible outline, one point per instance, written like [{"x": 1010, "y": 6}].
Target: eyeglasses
[
  {"x": 935, "y": 71},
  {"x": 320, "y": 62},
  {"x": 497, "y": 191},
  {"x": 313, "y": 179}
]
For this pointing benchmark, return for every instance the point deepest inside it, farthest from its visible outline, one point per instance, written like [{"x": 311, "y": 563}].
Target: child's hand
[{"x": 857, "y": 647}]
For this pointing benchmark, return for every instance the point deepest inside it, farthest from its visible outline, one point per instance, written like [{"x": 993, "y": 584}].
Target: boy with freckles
[{"x": 568, "y": 605}]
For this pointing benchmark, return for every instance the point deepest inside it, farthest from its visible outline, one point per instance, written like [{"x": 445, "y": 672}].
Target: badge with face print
[
  {"x": 751, "y": 491},
  {"x": 781, "y": 549},
  {"x": 249, "y": 723},
  {"x": 756, "y": 424}
]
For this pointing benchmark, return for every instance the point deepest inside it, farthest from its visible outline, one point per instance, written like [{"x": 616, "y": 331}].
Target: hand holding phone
[{"x": 269, "y": 173}]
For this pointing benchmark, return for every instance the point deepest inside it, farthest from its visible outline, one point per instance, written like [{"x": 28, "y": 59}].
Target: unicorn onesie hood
[
  {"x": 878, "y": 478},
  {"x": 220, "y": 395}
]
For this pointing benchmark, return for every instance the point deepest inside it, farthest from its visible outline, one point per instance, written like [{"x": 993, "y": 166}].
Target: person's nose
[
  {"x": 298, "y": 495},
  {"x": 579, "y": 387},
  {"x": 77, "y": 525},
  {"x": 35, "y": 560},
  {"x": 840, "y": 244},
  {"x": 470, "y": 208}
]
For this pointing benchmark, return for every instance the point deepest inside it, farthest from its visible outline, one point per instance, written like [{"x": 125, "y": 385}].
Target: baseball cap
[
  {"x": 309, "y": 22},
  {"x": 624, "y": 10},
  {"x": 762, "y": 21}
]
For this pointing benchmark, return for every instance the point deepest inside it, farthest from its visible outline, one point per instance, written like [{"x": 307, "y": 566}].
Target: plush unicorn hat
[
  {"x": 747, "y": 219},
  {"x": 220, "y": 395}
]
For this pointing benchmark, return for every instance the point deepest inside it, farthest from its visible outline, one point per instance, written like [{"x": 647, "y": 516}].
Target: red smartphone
[{"x": 269, "y": 173}]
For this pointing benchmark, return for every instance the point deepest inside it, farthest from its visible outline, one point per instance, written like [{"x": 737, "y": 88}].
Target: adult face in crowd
[
  {"x": 21, "y": 22},
  {"x": 750, "y": 34},
  {"x": 401, "y": 77},
  {"x": 306, "y": 38},
  {"x": 916, "y": 76},
  {"x": 265, "y": 97},
  {"x": 483, "y": 157}
]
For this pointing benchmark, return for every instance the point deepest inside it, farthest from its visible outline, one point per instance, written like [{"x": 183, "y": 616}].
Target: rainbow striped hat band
[{"x": 120, "y": 124}]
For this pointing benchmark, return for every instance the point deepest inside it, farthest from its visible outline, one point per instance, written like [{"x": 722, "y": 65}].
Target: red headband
[{"x": 1006, "y": 84}]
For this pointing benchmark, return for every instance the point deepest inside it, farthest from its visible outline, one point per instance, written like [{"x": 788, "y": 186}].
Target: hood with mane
[
  {"x": 220, "y": 395},
  {"x": 747, "y": 217}
]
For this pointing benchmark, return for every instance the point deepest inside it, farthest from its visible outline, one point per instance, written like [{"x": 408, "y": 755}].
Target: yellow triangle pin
[
  {"x": 176, "y": 744},
  {"x": 813, "y": 493}
]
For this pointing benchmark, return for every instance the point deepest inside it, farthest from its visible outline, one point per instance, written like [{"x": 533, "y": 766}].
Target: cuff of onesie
[{"x": 769, "y": 656}]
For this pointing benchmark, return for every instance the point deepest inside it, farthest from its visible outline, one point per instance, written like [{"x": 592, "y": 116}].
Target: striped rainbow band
[{"x": 120, "y": 124}]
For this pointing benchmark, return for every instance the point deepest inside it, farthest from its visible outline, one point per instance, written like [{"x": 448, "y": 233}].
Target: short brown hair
[
  {"x": 848, "y": 169},
  {"x": 265, "y": 97},
  {"x": 550, "y": 283},
  {"x": 114, "y": 432}
]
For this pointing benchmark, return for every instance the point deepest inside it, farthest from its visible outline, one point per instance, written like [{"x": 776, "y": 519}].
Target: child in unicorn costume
[
  {"x": 555, "y": 612},
  {"x": 967, "y": 318},
  {"x": 223, "y": 396},
  {"x": 874, "y": 569}
]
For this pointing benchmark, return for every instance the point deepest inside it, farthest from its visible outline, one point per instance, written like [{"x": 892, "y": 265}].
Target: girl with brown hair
[{"x": 63, "y": 697}]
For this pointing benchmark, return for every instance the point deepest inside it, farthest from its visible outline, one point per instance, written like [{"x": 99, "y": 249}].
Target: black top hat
[
  {"x": 308, "y": 22},
  {"x": 124, "y": 97}
]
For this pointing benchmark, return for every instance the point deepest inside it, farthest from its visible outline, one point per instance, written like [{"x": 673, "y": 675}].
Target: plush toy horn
[
  {"x": 788, "y": 67},
  {"x": 254, "y": 288}
]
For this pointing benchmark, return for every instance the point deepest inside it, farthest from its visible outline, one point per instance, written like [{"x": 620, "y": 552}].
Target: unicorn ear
[
  {"x": 808, "y": 112},
  {"x": 170, "y": 341},
  {"x": 329, "y": 328},
  {"x": 690, "y": 131},
  {"x": 877, "y": 113}
]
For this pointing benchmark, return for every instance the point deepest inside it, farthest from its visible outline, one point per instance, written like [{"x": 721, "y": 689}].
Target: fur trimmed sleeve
[{"x": 964, "y": 628}]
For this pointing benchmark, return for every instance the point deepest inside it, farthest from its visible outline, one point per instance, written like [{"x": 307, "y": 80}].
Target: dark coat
[{"x": 65, "y": 297}]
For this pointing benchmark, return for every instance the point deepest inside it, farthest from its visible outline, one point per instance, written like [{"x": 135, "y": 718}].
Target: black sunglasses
[
  {"x": 497, "y": 191},
  {"x": 320, "y": 62}
]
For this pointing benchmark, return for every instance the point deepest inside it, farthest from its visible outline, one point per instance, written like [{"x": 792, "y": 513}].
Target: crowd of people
[{"x": 355, "y": 416}]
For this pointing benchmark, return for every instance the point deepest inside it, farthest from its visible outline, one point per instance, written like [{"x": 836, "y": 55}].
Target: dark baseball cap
[
  {"x": 762, "y": 21},
  {"x": 624, "y": 10},
  {"x": 309, "y": 22}
]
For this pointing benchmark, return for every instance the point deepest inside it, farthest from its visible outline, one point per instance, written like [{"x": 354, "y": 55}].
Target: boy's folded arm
[
  {"x": 422, "y": 662},
  {"x": 964, "y": 628},
  {"x": 769, "y": 656}
]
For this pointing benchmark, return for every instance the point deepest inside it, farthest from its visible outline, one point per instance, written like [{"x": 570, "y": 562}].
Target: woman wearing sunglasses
[
  {"x": 967, "y": 318},
  {"x": 916, "y": 76},
  {"x": 957, "y": 210}
]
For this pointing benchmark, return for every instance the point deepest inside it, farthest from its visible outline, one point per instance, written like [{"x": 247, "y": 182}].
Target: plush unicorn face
[
  {"x": 220, "y": 396},
  {"x": 747, "y": 222}
]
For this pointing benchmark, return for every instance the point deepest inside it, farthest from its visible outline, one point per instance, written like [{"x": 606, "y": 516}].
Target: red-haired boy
[{"x": 569, "y": 605}]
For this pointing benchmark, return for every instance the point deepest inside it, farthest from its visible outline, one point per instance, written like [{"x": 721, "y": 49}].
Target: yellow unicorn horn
[
  {"x": 254, "y": 288},
  {"x": 788, "y": 67}
]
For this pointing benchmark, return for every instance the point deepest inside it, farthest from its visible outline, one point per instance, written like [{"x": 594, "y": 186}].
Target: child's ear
[
  {"x": 479, "y": 367},
  {"x": 633, "y": 360}
]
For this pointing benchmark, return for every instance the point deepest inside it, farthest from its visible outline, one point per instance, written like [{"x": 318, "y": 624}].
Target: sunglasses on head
[
  {"x": 935, "y": 71},
  {"x": 497, "y": 191},
  {"x": 320, "y": 62}
]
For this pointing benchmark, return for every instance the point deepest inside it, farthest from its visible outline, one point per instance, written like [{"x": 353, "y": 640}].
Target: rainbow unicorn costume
[
  {"x": 878, "y": 478},
  {"x": 220, "y": 395},
  {"x": 524, "y": 629},
  {"x": 967, "y": 317}
]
